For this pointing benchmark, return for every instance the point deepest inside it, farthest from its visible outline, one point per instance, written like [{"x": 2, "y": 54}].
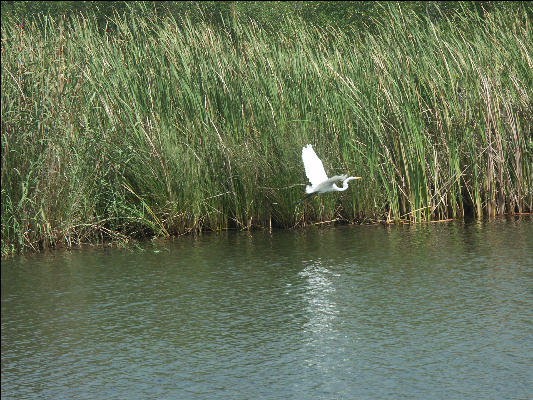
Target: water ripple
[{"x": 433, "y": 311}]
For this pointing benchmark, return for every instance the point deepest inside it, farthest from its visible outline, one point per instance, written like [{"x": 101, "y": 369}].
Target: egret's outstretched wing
[{"x": 313, "y": 166}]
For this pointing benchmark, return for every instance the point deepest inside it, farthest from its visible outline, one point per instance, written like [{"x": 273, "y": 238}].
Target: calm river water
[{"x": 434, "y": 311}]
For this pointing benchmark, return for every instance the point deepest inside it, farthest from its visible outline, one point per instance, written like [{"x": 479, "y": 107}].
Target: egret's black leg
[{"x": 304, "y": 198}]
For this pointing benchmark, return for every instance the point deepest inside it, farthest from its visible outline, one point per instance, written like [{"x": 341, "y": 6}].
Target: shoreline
[{"x": 137, "y": 243}]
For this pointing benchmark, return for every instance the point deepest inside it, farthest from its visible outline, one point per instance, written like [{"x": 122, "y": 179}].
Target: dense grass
[{"x": 165, "y": 127}]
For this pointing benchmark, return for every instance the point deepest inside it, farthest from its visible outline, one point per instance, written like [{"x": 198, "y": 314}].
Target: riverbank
[{"x": 161, "y": 127}]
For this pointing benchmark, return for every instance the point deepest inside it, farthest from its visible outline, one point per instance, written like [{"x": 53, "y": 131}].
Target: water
[{"x": 440, "y": 311}]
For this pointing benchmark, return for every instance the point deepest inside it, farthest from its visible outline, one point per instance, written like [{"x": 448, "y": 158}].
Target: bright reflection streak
[{"x": 321, "y": 308}]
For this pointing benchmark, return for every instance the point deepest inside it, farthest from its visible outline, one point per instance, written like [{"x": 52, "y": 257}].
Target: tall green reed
[{"x": 162, "y": 127}]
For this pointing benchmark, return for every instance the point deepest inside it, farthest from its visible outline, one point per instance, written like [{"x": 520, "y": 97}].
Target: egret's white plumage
[
  {"x": 314, "y": 169},
  {"x": 320, "y": 183}
]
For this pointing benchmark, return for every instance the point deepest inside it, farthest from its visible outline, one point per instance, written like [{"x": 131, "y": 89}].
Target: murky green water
[{"x": 436, "y": 311}]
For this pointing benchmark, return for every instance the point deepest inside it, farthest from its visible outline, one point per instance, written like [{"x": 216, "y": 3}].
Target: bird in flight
[{"x": 320, "y": 183}]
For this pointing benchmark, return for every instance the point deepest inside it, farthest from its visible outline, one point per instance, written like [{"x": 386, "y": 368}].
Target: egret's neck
[{"x": 345, "y": 183}]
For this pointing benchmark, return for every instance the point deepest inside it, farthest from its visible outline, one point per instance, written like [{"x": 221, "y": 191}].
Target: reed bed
[{"x": 160, "y": 127}]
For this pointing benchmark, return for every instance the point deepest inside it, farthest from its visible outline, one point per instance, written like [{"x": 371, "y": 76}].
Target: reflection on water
[
  {"x": 427, "y": 311},
  {"x": 319, "y": 298}
]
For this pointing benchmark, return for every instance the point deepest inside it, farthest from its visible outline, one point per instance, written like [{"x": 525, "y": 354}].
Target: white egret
[{"x": 320, "y": 183}]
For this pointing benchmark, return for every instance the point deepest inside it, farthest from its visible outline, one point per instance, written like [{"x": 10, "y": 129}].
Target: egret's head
[{"x": 352, "y": 178}]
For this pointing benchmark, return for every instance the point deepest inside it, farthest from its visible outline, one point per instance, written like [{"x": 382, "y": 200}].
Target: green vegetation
[{"x": 162, "y": 124}]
